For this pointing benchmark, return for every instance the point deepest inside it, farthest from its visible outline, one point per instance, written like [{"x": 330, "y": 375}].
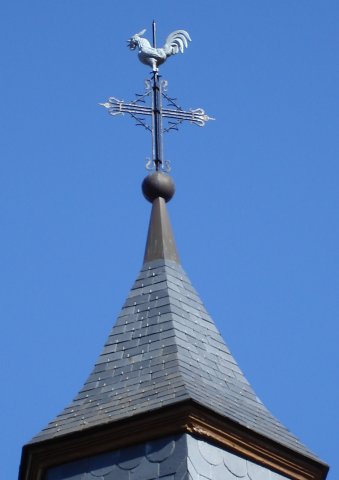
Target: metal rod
[
  {"x": 157, "y": 121},
  {"x": 156, "y": 111},
  {"x": 154, "y": 31}
]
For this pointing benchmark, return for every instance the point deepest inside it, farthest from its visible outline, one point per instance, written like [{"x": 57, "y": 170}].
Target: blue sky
[{"x": 255, "y": 214}]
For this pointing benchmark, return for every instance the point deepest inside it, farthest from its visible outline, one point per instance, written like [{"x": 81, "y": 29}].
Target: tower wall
[{"x": 178, "y": 457}]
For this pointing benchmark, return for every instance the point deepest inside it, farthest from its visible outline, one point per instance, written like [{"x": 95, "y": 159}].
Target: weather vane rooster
[
  {"x": 156, "y": 89},
  {"x": 152, "y": 56}
]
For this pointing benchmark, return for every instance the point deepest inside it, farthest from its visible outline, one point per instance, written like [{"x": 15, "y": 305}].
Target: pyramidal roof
[{"x": 165, "y": 349}]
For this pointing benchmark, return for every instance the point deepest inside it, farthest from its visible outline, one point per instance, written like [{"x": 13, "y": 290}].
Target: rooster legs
[{"x": 154, "y": 64}]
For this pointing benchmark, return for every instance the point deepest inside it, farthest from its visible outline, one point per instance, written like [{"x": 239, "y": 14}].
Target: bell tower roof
[
  {"x": 165, "y": 373},
  {"x": 164, "y": 356}
]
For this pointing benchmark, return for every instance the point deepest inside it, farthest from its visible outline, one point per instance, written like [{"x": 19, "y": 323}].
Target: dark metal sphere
[{"x": 156, "y": 185}]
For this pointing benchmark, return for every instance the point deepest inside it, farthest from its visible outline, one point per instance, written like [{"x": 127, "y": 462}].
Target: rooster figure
[{"x": 175, "y": 43}]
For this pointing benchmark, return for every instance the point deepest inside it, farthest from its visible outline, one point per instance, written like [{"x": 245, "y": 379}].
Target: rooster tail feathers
[
  {"x": 141, "y": 33},
  {"x": 176, "y": 42}
]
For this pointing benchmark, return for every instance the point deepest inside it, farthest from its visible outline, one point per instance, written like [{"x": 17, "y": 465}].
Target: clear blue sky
[{"x": 255, "y": 215}]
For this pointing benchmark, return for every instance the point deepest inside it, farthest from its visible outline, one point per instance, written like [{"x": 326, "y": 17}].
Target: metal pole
[
  {"x": 154, "y": 31},
  {"x": 157, "y": 120},
  {"x": 157, "y": 137}
]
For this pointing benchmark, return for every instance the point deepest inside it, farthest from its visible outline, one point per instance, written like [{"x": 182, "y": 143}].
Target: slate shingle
[{"x": 163, "y": 349}]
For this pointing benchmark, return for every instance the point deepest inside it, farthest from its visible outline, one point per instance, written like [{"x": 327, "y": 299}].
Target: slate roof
[{"x": 165, "y": 348}]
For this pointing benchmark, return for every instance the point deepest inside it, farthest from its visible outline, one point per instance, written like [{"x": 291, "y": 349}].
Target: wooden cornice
[{"x": 183, "y": 417}]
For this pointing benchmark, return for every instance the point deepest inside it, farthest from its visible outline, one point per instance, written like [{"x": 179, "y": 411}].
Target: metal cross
[{"x": 156, "y": 89}]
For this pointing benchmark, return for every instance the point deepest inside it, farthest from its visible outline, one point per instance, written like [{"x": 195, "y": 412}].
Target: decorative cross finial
[{"x": 156, "y": 89}]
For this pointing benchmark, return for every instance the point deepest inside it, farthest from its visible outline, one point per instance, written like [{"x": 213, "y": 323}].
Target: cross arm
[
  {"x": 197, "y": 116},
  {"x": 119, "y": 107}
]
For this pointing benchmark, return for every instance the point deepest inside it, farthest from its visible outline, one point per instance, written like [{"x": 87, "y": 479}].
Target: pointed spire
[
  {"x": 158, "y": 188},
  {"x": 164, "y": 370}
]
